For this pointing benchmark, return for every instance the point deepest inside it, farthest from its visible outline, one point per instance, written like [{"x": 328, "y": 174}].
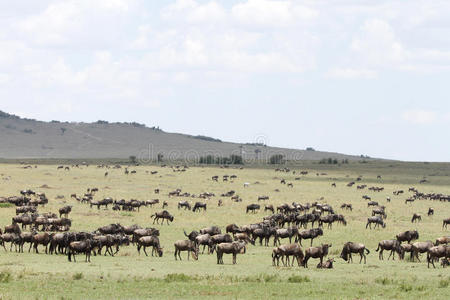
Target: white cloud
[
  {"x": 348, "y": 73},
  {"x": 420, "y": 116},
  {"x": 193, "y": 12}
]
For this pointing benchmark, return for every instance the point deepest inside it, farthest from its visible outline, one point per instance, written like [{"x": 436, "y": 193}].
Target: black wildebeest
[
  {"x": 316, "y": 252},
  {"x": 198, "y": 206},
  {"x": 252, "y": 208},
  {"x": 407, "y": 236},
  {"x": 377, "y": 220},
  {"x": 445, "y": 222},
  {"x": 233, "y": 248},
  {"x": 186, "y": 245},
  {"x": 389, "y": 245},
  {"x": 309, "y": 234},
  {"x": 350, "y": 248},
  {"x": 164, "y": 215}
]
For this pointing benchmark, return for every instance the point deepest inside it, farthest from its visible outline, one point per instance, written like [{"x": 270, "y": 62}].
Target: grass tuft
[
  {"x": 5, "y": 276},
  {"x": 177, "y": 277},
  {"x": 298, "y": 279},
  {"x": 77, "y": 276}
]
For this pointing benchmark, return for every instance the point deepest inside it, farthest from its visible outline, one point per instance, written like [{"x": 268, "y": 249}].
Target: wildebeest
[
  {"x": 437, "y": 252},
  {"x": 389, "y": 245},
  {"x": 326, "y": 265},
  {"x": 380, "y": 211},
  {"x": 150, "y": 241},
  {"x": 252, "y": 208},
  {"x": 242, "y": 236},
  {"x": 316, "y": 252},
  {"x": 205, "y": 240},
  {"x": 405, "y": 248},
  {"x": 420, "y": 247},
  {"x": 442, "y": 240},
  {"x": 164, "y": 215},
  {"x": 285, "y": 252},
  {"x": 377, "y": 220},
  {"x": 198, "y": 206},
  {"x": 186, "y": 245},
  {"x": 309, "y": 234},
  {"x": 184, "y": 204},
  {"x": 233, "y": 248},
  {"x": 285, "y": 233},
  {"x": 407, "y": 236},
  {"x": 41, "y": 239},
  {"x": 347, "y": 206},
  {"x": 65, "y": 211},
  {"x": 416, "y": 217},
  {"x": 445, "y": 222},
  {"x": 269, "y": 208},
  {"x": 80, "y": 247},
  {"x": 212, "y": 230},
  {"x": 350, "y": 248},
  {"x": 430, "y": 211}
]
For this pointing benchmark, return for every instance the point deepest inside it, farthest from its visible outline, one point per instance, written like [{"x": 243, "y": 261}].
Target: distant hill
[{"x": 27, "y": 138}]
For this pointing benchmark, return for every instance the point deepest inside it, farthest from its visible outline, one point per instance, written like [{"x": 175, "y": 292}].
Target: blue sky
[{"x": 358, "y": 77}]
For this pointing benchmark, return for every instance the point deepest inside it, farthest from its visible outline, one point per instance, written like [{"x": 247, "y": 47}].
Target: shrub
[
  {"x": 276, "y": 159},
  {"x": 443, "y": 283},
  {"x": 298, "y": 279},
  {"x": 384, "y": 281},
  {"x": 5, "y": 205},
  {"x": 77, "y": 276},
  {"x": 177, "y": 277},
  {"x": 5, "y": 276}
]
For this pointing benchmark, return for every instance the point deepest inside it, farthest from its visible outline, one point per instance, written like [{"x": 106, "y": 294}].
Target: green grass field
[{"x": 130, "y": 276}]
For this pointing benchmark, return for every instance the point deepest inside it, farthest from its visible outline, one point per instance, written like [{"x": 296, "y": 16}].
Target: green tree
[{"x": 276, "y": 159}]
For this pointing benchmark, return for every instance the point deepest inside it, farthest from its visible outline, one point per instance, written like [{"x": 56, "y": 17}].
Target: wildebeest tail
[{"x": 368, "y": 252}]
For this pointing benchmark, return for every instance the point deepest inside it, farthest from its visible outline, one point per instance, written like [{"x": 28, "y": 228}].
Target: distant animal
[
  {"x": 186, "y": 245},
  {"x": 377, "y": 220},
  {"x": 252, "y": 208},
  {"x": 316, "y": 252},
  {"x": 389, "y": 245},
  {"x": 164, "y": 215},
  {"x": 350, "y": 248},
  {"x": 416, "y": 218},
  {"x": 326, "y": 265},
  {"x": 430, "y": 211}
]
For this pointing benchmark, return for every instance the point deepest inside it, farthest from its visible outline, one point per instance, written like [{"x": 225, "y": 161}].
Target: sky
[{"x": 352, "y": 76}]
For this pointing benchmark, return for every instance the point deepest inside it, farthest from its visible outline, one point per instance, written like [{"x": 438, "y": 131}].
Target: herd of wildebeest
[{"x": 285, "y": 222}]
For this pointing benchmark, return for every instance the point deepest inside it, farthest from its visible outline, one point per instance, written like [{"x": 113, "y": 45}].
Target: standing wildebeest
[
  {"x": 232, "y": 228},
  {"x": 407, "y": 236},
  {"x": 212, "y": 230},
  {"x": 285, "y": 233},
  {"x": 243, "y": 237},
  {"x": 329, "y": 219},
  {"x": 285, "y": 251},
  {"x": 437, "y": 252},
  {"x": 416, "y": 217},
  {"x": 392, "y": 245},
  {"x": 191, "y": 236},
  {"x": 80, "y": 247},
  {"x": 347, "y": 206},
  {"x": 380, "y": 211},
  {"x": 442, "y": 240},
  {"x": 65, "y": 211},
  {"x": 269, "y": 208},
  {"x": 377, "y": 220},
  {"x": 309, "y": 234},
  {"x": 41, "y": 239},
  {"x": 253, "y": 208},
  {"x": 229, "y": 248},
  {"x": 164, "y": 215},
  {"x": 184, "y": 204},
  {"x": 198, "y": 206},
  {"x": 430, "y": 211},
  {"x": 420, "y": 247},
  {"x": 405, "y": 248},
  {"x": 150, "y": 241},
  {"x": 205, "y": 240},
  {"x": 186, "y": 245},
  {"x": 445, "y": 222},
  {"x": 316, "y": 252},
  {"x": 350, "y": 248}
]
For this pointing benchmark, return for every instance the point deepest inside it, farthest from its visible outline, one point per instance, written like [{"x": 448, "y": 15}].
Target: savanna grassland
[{"x": 128, "y": 275}]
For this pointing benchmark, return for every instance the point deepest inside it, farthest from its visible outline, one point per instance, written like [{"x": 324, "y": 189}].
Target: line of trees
[{"x": 211, "y": 160}]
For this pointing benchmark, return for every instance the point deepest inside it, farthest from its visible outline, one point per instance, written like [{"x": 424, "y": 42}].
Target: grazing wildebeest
[
  {"x": 407, "y": 236},
  {"x": 430, "y": 211},
  {"x": 416, "y": 217},
  {"x": 263, "y": 198},
  {"x": 316, "y": 252},
  {"x": 405, "y": 248},
  {"x": 233, "y": 248},
  {"x": 186, "y": 245},
  {"x": 309, "y": 234},
  {"x": 140, "y": 232},
  {"x": 111, "y": 229},
  {"x": 65, "y": 211},
  {"x": 347, "y": 206},
  {"x": 437, "y": 252},
  {"x": 269, "y": 208},
  {"x": 198, "y": 206},
  {"x": 442, "y": 240},
  {"x": 379, "y": 211},
  {"x": 350, "y": 248},
  {"x": 242, "y": 236},
  {"x": 445, "y": 262},
  {"x": 184, "y": 204},
  {"x": 445, "y": 222},
  {"x": 326, "y": 265},
  {"x": 215, "y": 178},
  {"x": 164, "y": 215},
  {"x": 252, "y": 208},
  {"x": 12, "y": 238},
  {"x": 41, "y": 239},
  {"x": 420, "y": 247},
  {"x": 329, "y": 219},
  {"x": 372, "y": 203},
  {"x": 80, "y": 247},
  {"x": 389, "y": 245},
  {"x": 150, "y": 241},
  {"x": 285, "y": 252},
  {"x": 232, "y": 228},
  {"x": 377, "y": 220}
]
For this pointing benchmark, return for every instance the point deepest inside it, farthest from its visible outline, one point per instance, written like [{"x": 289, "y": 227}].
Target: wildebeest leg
[
  {"x": 380, "y": 255},
  {"x": 312, "y": 241},
  {"x": 68, "y": 255},
  {"x": 145, "y": 251},
  {"x": 46, "y": 247},
  {"x": 175, "y": 254},
  {"x": 234, "y": 258},
  {"x": 362, "y": 255},
  {"x": 218, "y": 257}
]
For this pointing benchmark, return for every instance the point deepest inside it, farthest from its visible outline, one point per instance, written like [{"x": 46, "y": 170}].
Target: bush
[
  {"x": 5, "y": 276},
  {"x": 298, "y": 279},
  {"x": 77, "y": 276},
  {"x": 276, "y": 159},
  {"x": 5, "y": 205},
  {"x": 444, "y": 283},
  {"x": 206, "y": 138},
  {"x": 177, "y": 277},
  {"x": 232, "y": 160},
  {"x": 310, "y": 149},
  {"x": 384, "y": 281}
]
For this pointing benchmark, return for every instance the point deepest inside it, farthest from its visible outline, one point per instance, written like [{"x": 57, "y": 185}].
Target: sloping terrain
[{"x": 25, "y": 138}]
